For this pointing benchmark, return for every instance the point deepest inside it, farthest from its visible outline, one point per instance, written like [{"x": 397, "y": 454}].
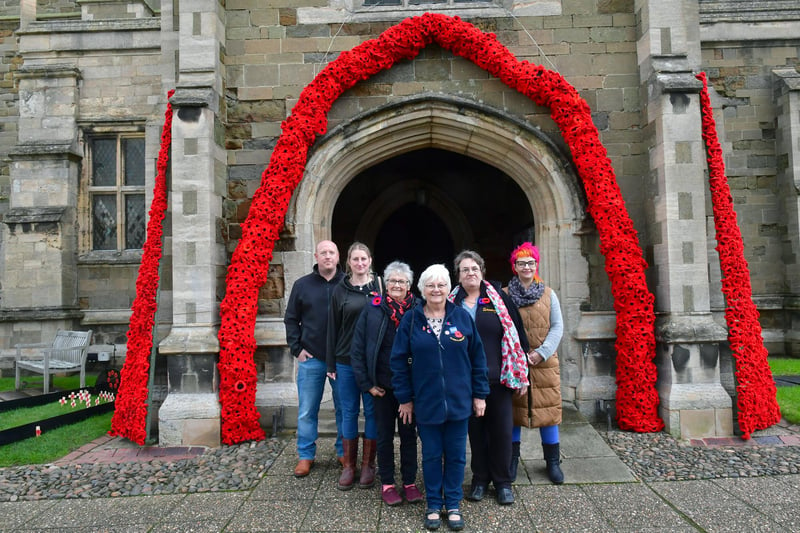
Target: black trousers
[
  {"x": 386, "y": 417},
  {"x": 490, "y": 439}
]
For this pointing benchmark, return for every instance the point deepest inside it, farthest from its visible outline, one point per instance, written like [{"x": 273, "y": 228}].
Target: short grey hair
[
  {"x": 469, "y": 254},
  {"x": 434, "y": 273},
  {"x": 402, "y": 268}
]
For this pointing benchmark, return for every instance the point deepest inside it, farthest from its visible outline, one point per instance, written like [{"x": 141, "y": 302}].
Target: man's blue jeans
[
  {"x": 351, "y": 397},
  {"x": 311, "y": 375}
]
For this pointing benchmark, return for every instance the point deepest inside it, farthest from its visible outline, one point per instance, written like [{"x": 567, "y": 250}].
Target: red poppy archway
[{"x": 637, "y": 399}]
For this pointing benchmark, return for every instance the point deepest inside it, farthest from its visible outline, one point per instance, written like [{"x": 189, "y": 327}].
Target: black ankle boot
[
  {"x": 552, "y": 456},
  {"x": 514, "y": 460}
]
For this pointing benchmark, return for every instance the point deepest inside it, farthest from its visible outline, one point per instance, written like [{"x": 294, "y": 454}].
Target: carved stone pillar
[
  {"x": 191, "y": 412},
  {"x": 787, "y": 94},
  {"x": 693, "y": 401}
]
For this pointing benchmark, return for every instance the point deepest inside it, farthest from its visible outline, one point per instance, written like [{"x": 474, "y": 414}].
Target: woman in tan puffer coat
[{"x": 541, "y": 315}]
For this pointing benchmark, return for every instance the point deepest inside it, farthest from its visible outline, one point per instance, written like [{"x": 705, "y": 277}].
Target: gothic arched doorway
[{"x": 426, "y": 205}]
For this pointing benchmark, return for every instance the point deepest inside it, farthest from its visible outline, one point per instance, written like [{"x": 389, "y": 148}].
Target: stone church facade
[{"x": 419, "y": 162}]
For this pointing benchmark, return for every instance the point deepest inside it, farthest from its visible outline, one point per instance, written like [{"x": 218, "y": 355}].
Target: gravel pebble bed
[
  {"x": 660, "y": 457},
  {"x": 651, "y": 457},
  {"x": 237, "y": 467}
]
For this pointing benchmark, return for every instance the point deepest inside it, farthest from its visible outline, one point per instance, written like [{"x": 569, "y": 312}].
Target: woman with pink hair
[{"x": 541, "y": 316}]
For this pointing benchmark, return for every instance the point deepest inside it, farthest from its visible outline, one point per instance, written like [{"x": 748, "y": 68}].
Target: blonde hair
[{"x": 353, "y": 247}]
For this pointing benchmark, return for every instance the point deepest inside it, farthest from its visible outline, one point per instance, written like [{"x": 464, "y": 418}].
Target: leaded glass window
[{"x": 116, "y": 189}]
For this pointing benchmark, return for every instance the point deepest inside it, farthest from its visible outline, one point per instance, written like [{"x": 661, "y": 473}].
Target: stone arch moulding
[
  {"x": 637, "y": 399},
  {"x": 521, "y": 151},
  {"x": 459, "y": 126}
]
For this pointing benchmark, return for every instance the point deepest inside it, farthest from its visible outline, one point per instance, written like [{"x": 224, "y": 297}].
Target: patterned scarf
[
  {"x": 522, "y": 296},
  {"x": 514, "y": 367},
  {"x": 397, "y": 309}
]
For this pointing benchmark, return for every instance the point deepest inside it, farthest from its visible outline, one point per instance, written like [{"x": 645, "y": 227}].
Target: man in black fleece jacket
[{"x": 306, "y": 321}]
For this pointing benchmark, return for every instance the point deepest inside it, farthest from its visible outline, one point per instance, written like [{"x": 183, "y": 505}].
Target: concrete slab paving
[
  {"x": 189, "y": 527},
  {"x": 211, "y": 506},
  {"x": 589, "y": 470},
  {"x": 600, "y": 494},
  {"x": 270, "y": 515},
  {"x": 787, "y": 515},
  {"x": 13, "y": 515},
  {"x": 563, "y": 508},
  {"x": 632, "y": 507}
]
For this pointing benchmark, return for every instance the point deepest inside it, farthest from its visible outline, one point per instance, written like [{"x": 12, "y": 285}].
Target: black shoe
[
  {"x": 476, "y": 492},
  {"x": 505, "y": 496},
  {"x": 454, "y": 520},
  {"x": 433, "y": 519}
]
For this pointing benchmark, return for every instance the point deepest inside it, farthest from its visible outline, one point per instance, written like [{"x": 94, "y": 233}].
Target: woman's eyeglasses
[{"x": 526, "y": 264}]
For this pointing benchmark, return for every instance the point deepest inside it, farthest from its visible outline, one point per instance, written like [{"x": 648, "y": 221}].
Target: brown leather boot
[
  {"x": 349, "y": 468},
  {"x": 368, "y": 463}
]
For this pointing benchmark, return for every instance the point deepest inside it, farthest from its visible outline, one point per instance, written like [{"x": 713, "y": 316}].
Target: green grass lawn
[
  {"x": 55, "y": 444},
  {"x": 70, "y": 382},
  {"x": 27, "y": 415},
  {"x": 784, "y": 366},
  {"x": 788, "y": 397}
]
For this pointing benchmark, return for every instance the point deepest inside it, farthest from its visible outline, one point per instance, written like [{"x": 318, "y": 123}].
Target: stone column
[
  {"x": 191, "y": 412},
  {"x": 693, "y": 401},
  {"x": 40, "y": 236},
  {"x": 787, "y": 93}
]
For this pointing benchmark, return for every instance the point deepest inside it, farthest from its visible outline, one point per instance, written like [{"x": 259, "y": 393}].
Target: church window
[{"x": 117, "y": 209}]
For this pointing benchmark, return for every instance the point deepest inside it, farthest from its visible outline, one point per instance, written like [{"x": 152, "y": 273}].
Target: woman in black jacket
[
  {"x": 499, "y": 324},
  {"x": 359, "y": 287},
  {"x": 370, "y": 355}
]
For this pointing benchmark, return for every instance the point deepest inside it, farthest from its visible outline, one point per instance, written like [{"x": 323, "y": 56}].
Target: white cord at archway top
[
  {"x": 350, "y": 17},
  {"x": 330, "y": 45},
  {"x": 512, "y": 15}
]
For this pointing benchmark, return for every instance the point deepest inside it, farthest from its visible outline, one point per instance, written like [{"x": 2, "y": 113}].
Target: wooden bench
[{"x": 66, "y": 354}]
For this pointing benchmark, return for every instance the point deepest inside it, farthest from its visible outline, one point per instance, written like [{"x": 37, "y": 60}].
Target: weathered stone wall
[
  {"x": 744, "y": 90},
  {"x": 56, "y": 7},
  {"x": 272, "y": 56},
  {"x": 9, "y": 107},
  {"x": 115, "y": 91}
]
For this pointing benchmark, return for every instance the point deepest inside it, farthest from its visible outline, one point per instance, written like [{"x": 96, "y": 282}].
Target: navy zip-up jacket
[
  {"x": 306, "y": 317},
  {"x": 372, "y": 346},
  {"x": 441, "y": 376}
]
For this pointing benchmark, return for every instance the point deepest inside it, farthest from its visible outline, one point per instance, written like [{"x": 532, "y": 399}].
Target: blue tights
[{"x": 548, "y": 434}]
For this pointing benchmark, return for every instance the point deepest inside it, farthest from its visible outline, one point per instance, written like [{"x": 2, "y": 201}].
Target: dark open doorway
[
  {"x": 423, "y": 207},
  {"x": 416, "y": 235}
]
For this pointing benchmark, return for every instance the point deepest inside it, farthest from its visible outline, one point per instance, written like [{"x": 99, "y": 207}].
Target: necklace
[{"x": 361, "y": 281}]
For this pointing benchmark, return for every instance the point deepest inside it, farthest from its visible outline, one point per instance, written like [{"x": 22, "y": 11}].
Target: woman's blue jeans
[
  {"x": 351, "y": 398},
  {"x": 444, "y": 456}
]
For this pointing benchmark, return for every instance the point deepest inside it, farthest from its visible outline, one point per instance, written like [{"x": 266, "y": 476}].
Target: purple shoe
[
  {"x": 390, "y": 496},
  {"x": 413, "y": 495}
]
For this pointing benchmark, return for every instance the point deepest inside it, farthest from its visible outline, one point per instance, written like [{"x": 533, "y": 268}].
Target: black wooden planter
[{"x": 29, "y": 430}]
